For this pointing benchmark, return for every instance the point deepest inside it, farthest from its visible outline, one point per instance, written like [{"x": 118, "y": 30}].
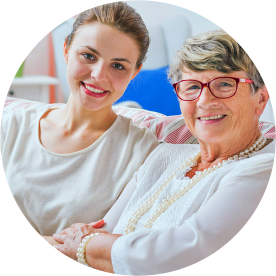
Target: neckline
[
  {"x": 182, "y": 175},
  {"x": 76, "y": 152}
]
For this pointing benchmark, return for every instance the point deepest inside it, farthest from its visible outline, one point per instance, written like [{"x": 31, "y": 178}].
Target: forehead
[
  {"x": 205, "y": 76},
  {"x": 105, "y": 38},
  {"x": 95, "y": 29},
  {"x": 101, "y": 33}
]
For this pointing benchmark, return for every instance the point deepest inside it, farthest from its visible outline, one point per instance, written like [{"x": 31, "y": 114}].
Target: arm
[
  {"x": 68, "y": 240},
  {"x": 98, "y": 252},
  {"x": 212, "y": 226},
  {"x": 98, "y": 249},
  {"x": 113, "y": 215}
]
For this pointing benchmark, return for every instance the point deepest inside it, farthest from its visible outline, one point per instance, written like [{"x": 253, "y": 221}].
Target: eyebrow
[{"x": 97, "y": 53}]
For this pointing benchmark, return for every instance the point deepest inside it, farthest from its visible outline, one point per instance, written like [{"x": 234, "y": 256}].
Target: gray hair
[{"x": 214, "y": 50}]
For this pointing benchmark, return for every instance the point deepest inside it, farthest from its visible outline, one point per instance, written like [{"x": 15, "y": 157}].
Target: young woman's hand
[{"x": 50, "y": 240}]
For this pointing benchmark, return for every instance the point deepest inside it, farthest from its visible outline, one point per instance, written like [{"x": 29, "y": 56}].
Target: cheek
[
  {"x": 76, "y": 69},
  {"x": 120, "y": 82},
  {"x": 243, "y": 110},
  {"x": 243, "y": 103},
  {"x": 70, "y": 71},
  {"x": 188, "y": 110}
]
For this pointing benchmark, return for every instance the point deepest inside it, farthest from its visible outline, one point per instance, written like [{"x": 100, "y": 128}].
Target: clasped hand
[{"x": 70, "y": 238}]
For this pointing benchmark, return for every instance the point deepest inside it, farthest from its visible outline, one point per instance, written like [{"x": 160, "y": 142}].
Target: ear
[
  {"x": 65, "y": 53},
  {"x": 262, "y": 97},
  {"x": 137, "y": 71}
]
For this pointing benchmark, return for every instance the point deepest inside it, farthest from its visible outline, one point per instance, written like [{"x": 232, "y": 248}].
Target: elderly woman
[{"x": 190, "y": 200}]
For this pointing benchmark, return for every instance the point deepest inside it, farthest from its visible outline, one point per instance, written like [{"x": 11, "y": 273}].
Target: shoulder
[
  {"x": 249, "y": 174},
  {"x": 20, "y": 122},
  {"x": 127, "y": 126},
  {"x": 171, "y": 153},
  {"x": 17, "y": 122},
  {"x": 21, "y": 115},
  {"x": 262, "y": 159},
  {"x": 270, "y": 147}
]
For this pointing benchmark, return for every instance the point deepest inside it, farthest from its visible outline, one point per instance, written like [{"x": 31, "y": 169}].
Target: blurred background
[{"x": 43, "y": 74}]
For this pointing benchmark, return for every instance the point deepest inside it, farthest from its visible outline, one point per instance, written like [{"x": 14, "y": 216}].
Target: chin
[
  {"x": 90, "y": 103},
  {"x": 211, "y": 138}
]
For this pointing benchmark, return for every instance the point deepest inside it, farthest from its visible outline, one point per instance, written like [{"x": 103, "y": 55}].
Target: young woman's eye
[
  {"x": 118, "y": 66},
  {"x": 89, "y": 56}
]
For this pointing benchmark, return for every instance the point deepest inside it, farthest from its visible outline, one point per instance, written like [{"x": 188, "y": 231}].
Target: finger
[
  {"x": 98, "y": 224},
  {"x": 53, "y": 242},
  {"x": 50, "y": 240},
  {"x": 59, "y": 238}
]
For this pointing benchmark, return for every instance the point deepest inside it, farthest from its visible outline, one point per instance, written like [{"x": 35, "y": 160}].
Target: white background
[{"x": 157, "y": 13}]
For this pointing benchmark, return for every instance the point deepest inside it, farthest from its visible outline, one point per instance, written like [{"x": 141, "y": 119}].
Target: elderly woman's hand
[
  {"x": 71, "y": 238},
  {"x": 95, "y": 225}
]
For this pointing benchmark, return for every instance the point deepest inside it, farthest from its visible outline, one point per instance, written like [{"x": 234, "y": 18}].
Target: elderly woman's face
[{"x": 240, "y": 113}]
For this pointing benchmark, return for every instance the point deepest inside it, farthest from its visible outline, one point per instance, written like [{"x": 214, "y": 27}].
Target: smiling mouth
[
  {"x": 94, "y": 90},
  {"x": 211, "y": 117}
]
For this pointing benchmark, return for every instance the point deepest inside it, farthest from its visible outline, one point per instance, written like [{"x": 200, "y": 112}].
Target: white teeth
[
  {"x": 211, "y": 117},
  {"x": 93, "y": 89}
]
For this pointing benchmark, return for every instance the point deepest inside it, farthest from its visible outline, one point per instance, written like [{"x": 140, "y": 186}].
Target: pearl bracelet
[{"x": 81, "y": 249}]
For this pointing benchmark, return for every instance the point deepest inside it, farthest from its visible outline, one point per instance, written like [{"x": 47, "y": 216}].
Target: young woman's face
[{"x": 101, "y": 63}]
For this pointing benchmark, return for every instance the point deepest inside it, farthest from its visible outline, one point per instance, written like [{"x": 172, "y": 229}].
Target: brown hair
[{"x": 121, "y": 16}]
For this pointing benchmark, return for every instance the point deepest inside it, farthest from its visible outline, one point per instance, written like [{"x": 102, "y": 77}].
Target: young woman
[{"x": 70, "y": 165}]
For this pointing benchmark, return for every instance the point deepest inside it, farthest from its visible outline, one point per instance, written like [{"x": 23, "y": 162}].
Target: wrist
[
  {"x": 81, "y": 251},
  {"x": 98, "y": 252}
]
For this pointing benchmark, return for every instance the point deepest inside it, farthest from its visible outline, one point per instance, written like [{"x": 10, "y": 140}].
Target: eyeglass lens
[{"x": 221, "y": 88}]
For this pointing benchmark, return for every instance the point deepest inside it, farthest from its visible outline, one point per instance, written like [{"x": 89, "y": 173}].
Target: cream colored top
[{"x": 56, "y": 190}]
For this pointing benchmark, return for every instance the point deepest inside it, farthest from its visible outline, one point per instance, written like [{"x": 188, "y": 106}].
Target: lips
[
  {"x": 94, "y": 88},
  {"x": 213, "y": 117},
  {"x": 93, "y": 91}
]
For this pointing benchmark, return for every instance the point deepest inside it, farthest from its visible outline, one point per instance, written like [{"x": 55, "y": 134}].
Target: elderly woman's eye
[
  {"x": 193, "y": 87},
  {"x": 226, "y": 84}
]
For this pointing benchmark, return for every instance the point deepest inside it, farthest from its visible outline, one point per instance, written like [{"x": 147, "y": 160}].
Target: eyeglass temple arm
[{"x": 246, "y": 80}]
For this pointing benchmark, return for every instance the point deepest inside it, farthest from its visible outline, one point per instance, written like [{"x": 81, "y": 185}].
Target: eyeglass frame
[{"x": 207, "y": 84}]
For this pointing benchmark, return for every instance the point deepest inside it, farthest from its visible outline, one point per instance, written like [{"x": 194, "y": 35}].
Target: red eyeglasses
[{"x": 222, "y": 88}]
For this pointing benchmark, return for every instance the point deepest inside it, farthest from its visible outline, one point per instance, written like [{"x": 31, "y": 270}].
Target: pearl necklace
[{"x": 192, "y": 161}]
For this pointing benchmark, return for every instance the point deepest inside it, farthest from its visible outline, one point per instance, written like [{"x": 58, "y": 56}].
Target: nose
[
  {"x": 99, "y": 72},
  {"x": 207, "y": 99}
]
